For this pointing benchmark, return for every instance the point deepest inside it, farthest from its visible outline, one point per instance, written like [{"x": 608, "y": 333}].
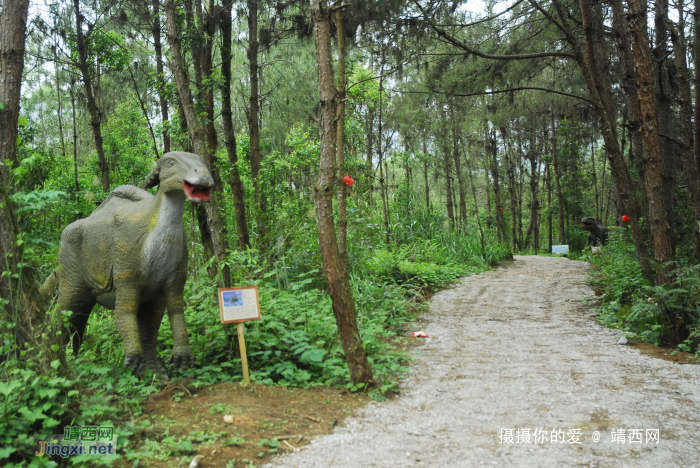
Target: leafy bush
[{"x": 666, "y": 315}]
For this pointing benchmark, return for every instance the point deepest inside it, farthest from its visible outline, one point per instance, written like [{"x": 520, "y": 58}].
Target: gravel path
[{"x": 513, "y": 350}]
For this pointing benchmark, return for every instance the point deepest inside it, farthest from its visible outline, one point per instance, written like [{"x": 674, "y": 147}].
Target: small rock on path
[{"x": 517, "y": 349}]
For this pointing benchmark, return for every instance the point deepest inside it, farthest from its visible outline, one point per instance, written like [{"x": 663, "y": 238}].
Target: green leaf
[
  {"x": 22, "y": 121},
  {"x": 7, "y": 387},
  {"x": 56, "y": 364},
  {"x": 6, "y": 451},
  {"x": 2, "y": 107},
  {"x": 186, "y": 446},
  {"x": 32, "y": 416},
  {"x": 236, "y": 441},
  {"x": 54, "y": 348}
]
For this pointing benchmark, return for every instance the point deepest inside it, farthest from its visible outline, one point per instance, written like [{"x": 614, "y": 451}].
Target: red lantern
[
  {"x": 349, "y": 181},
  {"x": 500, "y": 208},
  {"x": 625, "y": 218}
]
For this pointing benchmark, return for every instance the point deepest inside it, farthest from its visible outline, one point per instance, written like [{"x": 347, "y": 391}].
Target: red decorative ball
[
  {"x": 349, "y": 181},
  {"x": 625, "y": 218},
  {"x": 500, "y": 208}
]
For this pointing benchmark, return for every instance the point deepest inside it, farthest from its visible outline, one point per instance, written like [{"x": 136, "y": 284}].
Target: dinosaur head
[
  {"x": 182, "y": 171},
  {"x": 588, "y": 224}
]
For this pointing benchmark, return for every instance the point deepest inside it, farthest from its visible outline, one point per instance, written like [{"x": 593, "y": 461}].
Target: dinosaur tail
[{"x": 49, "y": 289}]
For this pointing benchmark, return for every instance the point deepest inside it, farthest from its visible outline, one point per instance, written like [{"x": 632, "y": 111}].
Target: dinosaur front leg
[
  {"x": 125, "y": 316},
  {"x": 182, "y": 355}
]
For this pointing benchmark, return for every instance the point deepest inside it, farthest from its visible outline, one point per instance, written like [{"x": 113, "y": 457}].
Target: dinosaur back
[{"x": 124, "y": 193}]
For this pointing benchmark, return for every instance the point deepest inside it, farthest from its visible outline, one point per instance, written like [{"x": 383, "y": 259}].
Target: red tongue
[{"x": 197, "y": 193}]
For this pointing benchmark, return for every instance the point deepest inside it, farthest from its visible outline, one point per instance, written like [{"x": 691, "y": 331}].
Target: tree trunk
[
  {"x": 145, "y": 113},
  {"x": 510, "y": 174},
  {"x": 75, "y": 145},
  {"x": 493, "y": 147},
  {"x": 202, "y": 57},
  {"x": 370, "y": 165},
  {"x": 20, "y": 301},
  {"x": 629, "y": 84},
  {"x": 195, "y": 129},
  {"x": 659, "y": 223},
  {"x": 519, "y": 194},
  {"x": 666, "y": 119},
  {"x": 589, "y": 69},
  {"x": 254, "y": 119},
  {"x": 458, "y": 170},
  {"x": 448, "y": 192},
  {"x": 476, "y": 209},
  {"x": 550, "y": 237},
  {"x": 229, "y": 135},
  {"x": 337, "y": 277},
  {"x": 696, "y": 82},
  {"x": 624, "y": 185},
  {"x": 686, "y": 107},
  {"x": 160, "y": 78},
  {"x": 382, "y": 182},
  {"x": 532, "y": 229},
  {"x": 595, "y": 182},
  {"x": 59, "y": 100},
  {"x": 425, "y": 175},
  {"x": 447, "y": 167},
  {"x": 340, "y": 144},
  {"x": 95, "y": 114},
  {"x": 560, "y": 201},
  {"x": 487, "y": 189}
]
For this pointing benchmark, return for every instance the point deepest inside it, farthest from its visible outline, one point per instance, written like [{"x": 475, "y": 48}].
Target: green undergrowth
[
  {"x": 295, "y": 344},
  {"x": 642, "y": 310}
]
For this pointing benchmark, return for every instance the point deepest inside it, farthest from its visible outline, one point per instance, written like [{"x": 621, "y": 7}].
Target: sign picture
[{"x": 232, "y": 298}]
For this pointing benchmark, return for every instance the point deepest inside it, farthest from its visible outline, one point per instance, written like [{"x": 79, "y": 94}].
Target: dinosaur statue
[
  {"x": 130, "y": 255},
  {"x": 596, "y": 232}
]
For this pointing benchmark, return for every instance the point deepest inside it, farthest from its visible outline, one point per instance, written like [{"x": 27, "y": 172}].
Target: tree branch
[
  {"x": 461, "y": 45},
  {"x": 501, "y": 91}
]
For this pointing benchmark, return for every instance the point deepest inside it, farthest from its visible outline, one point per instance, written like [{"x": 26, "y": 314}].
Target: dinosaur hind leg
[
  {"x": 75, "y": 296},
  {"x": 149, "y": 318},
  {"x": 78, "y": 322},
  {"x": 81, "y": 306}
]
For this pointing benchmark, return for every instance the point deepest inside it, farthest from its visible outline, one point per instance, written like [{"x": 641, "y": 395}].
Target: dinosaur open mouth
[{"x": 197, "y": 193}]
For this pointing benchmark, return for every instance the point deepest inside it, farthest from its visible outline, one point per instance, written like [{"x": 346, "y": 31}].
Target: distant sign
[
  {"x": 239, "y": 304},
  {"x": 560, "y": 249}
]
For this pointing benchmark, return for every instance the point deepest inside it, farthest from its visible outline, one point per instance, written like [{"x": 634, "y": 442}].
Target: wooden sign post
[{"x": 238, "y": 305}]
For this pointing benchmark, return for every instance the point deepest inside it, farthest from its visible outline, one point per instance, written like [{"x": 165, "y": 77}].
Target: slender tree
[
  {"x": 95, "y": 113},
  {"x": 341, "y": 94},
  {"x": 235, "y": 181},
  {"x": 20, "y": 302},
  {"x": 254, "y": 117},
  {"x": 195, "y": 128},
  {"x": 686, "y": 112},
  {"x": 659, "y": 218},
  {"x": 337, "y": 277},
  {"x": 160, "y": 75}
]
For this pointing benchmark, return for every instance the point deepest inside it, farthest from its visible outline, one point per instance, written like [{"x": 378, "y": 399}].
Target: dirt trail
[{"x": 516, "y": 349}]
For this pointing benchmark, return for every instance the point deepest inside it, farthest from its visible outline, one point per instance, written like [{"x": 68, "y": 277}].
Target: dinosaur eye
[{"x": 170, "y": 162}]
